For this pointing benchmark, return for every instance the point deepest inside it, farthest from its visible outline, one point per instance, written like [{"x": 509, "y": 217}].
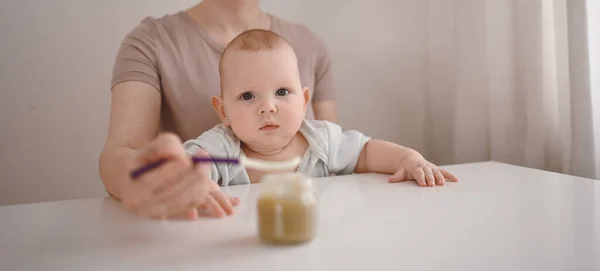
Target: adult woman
[{"x": 165, "y": 73}]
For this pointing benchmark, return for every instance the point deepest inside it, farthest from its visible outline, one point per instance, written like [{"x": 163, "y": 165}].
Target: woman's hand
[{"x": 178, "y": 187}]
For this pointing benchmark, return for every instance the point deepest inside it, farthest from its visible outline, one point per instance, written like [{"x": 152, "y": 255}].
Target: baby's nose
[
  {"x": 268, "y": 106},
  {"x": 273, "y": 109}
]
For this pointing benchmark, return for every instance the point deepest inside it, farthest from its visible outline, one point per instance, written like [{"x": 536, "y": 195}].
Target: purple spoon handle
[{"x": 138, "y": 172}]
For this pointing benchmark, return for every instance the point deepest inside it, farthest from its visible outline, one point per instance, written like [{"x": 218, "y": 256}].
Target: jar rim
[
  {"x": 283, "y": 181},
  {"x": 283, "y": 176}
]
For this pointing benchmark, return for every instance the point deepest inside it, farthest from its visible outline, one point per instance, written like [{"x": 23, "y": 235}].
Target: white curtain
[{"x": 508, "y": 80}]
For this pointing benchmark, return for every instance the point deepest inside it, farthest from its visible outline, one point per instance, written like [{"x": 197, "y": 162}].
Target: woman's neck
[{"x": 231, "y": 16}]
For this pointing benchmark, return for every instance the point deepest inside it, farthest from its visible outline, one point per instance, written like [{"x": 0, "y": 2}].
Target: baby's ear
[
  {"x": 306, "y": 95},
  {"x": 219, "y": 107}
]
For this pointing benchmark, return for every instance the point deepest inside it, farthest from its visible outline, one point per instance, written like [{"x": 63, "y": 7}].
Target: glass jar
[{"x": 287, "y": 209}]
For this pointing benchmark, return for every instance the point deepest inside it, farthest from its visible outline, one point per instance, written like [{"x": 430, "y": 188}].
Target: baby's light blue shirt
[{"x": 330, "y": 150}]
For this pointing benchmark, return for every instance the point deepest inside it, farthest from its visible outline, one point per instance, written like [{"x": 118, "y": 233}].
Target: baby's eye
[
  {"x": 282, "y": 92},
  {"x": 247, "y": 96}
]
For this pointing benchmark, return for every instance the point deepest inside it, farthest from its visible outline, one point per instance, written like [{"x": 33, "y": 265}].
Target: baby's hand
[{"x": 414, "y": 167}]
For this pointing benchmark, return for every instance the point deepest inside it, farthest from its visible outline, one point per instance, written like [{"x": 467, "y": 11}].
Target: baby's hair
[
  {"x": 252, "y": 40},
  {"x": 255, "y": 40}
]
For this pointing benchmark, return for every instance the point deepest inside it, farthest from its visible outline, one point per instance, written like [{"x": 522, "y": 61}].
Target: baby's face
[{"x": 262, "y": 98}]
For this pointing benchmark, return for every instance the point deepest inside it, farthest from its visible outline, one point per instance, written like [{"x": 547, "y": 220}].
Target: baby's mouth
[{"x": 269, "y": 127}]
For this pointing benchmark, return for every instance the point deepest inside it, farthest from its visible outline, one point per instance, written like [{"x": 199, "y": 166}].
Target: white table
[{"x": 499, "y": 217}]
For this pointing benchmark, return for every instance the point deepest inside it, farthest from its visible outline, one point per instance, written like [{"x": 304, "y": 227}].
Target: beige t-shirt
[{"x": 176, "y": 56}]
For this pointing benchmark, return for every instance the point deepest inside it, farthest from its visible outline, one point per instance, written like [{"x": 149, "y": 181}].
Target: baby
[{"x": 262, "y": 108}]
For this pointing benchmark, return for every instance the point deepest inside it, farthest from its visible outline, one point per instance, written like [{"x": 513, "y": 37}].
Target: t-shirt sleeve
[
  {"x": 217, "y": 143},
  {"x": 191, "y": 147},
  {"x": 325, "y": 89},
  {"x": 136, "y": 59},
  {"x": 344, "y": 148}
]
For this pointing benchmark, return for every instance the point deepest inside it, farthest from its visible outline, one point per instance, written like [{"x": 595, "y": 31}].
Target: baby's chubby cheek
[
  {"x": 241, "y": 118},
  {"x": 243, "y": 129}
]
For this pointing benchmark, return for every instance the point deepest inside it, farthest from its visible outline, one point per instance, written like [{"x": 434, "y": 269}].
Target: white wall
[
  {"x": 55, "y": 66},
  {"x": 56, "y": 59}
]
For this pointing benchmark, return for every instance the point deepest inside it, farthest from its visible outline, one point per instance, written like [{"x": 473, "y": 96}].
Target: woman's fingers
[
  {"x": 167, "y": 148},
  {"x": 175, "y": 188},
  {"x": 191, "y": 214},
  {"x": 178, "y": 198},
  {"x": 160, "y": 179},
  {"x": 235, "y": 201},
  {"x": 213, "y": 207},
  {"x": 223, "y": 201}
]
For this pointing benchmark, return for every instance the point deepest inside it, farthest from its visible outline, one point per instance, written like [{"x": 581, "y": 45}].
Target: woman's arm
[
  {"x": 134, "y": 123},
  {"x": 325, "y": 110},
  {"x": 133, "y": 140},
  {"x": 135, "y": 105},
  {"x": 324, "y": 94}
]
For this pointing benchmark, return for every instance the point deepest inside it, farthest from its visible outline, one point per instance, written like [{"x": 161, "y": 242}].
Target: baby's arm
[
  {"x": 351, "y": 151},
  {"x": 379, "y": 156}
]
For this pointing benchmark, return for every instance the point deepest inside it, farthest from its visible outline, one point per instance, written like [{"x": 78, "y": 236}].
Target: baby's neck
[
  {"x": 296, "y": 144},
  {"x": 296, "y": 147},
  {"x": 262, "y": 151}
]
